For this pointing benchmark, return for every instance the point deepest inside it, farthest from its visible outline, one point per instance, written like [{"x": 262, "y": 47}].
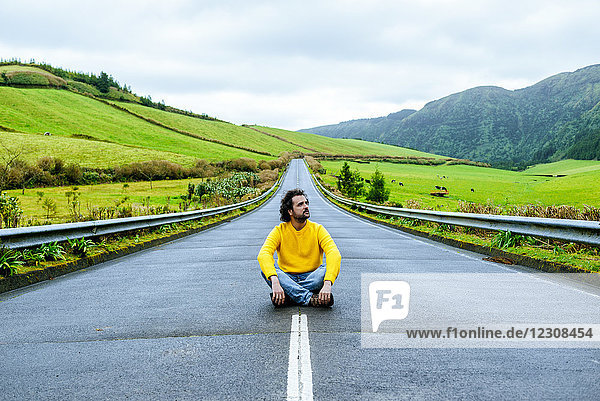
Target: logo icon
[{"x": 389, "y": 301}]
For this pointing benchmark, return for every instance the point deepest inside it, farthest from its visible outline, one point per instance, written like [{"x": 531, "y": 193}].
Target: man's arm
[
  {"x": 333, "y": 258},
  {"x": 265, "y": 256},
  {"x": 278, "y": 294}
]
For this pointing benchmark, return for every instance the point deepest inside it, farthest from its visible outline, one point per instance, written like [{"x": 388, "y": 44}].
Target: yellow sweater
[{"x": 300, "y": 251}]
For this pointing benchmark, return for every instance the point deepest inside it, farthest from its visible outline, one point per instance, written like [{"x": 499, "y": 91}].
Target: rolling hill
[{"x": 99, "y": 129}]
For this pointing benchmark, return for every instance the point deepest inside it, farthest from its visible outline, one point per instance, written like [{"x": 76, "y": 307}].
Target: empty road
[{"x": 191, "y": 319}]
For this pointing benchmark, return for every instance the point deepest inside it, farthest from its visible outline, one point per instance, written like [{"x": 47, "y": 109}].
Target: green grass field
[
  {"x": 567, "y": 167},
  {"x": 500, "y": 187},
  {"x": 344, "y": 146},
  {"x": 229, "y": 133},
  {"x": 91, "y": 154},
  {"x": 64, "y": 113},
  {"x": 102, "y": 195}
]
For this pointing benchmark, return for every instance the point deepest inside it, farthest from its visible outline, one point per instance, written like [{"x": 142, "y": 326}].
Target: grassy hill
[{"x": 98, "y": 130}]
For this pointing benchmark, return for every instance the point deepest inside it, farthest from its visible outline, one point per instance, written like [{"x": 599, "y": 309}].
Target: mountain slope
[{"x": 507, "y": 128}]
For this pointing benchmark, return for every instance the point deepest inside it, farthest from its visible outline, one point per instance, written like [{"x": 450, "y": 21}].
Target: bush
[
  {"x": 150, "y": 171},
  {"x": 268, "y": 175},
  {"x": 243, "y": 164},
  {"x": 10, "y": 212},
  {"x": 314, "y": 164},
  {"x": 10, "y": 260},
  {"x": 51, "y": 164},
  {"x": 264, "y": 165},
  {"x": 73, "y": 174},
  {"x": 232, "y": 188}
]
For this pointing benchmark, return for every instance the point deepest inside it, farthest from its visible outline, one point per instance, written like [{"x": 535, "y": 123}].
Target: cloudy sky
[{"x": 298, "y": 64}]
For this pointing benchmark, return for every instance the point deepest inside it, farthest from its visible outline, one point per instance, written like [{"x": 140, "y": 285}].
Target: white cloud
[{"x": 297, "y": 64}]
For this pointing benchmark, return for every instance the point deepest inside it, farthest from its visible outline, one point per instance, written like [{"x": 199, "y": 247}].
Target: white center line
[{"x": 299, "y": 385}]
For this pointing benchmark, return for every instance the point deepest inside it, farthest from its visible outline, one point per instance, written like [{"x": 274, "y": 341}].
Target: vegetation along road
[{"x": 192, "y": 320}]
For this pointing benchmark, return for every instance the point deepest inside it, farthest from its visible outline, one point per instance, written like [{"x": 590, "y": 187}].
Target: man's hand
[
  {"x": 325, "y": 293},
  {"x": 278, "y": 294}
]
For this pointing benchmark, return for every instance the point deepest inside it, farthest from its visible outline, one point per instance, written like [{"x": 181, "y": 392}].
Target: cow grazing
[
  {"x": 437, "y": 187},
  {"x": 401, "y": 184},
  {"x": 472, "y": 190}
]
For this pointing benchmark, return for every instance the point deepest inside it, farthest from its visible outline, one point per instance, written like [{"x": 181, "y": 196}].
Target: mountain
[{"x": 556, "y": 118}]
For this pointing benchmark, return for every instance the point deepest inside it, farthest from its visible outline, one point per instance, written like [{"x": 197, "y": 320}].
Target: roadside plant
[
  {"x": 80, "y": 247},
  {"x": 10, "y": 212},
  {"x": 506, "y": 239},
  {"x": 52, "y": 251},
  {"x": 33, "y": 256},
  {"x": 9, "y": 261}
]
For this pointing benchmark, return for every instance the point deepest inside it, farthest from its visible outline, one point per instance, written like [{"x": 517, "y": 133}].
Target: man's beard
[{"x": 301, "y": 218}]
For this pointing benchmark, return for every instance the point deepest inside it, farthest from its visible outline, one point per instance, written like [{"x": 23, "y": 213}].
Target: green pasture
[
  {"x": 101, "y": 195},
  {"x": 226, "y": 132},
  {"x": 565, "y": 167},
  {"x": 500, "y": 187},
  {"x": 64, "y": 113},
  {"x": 21, "y": 68},
  {"x": 86, "y": 153},
  {"x": 344, "y": 146}
]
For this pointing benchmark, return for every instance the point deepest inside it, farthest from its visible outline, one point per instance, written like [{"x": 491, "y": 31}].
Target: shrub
[
  {"x": 33, "y": 256},
  {"x": 51, "y": 164},
  {"x": 10, "y": 260},
  {"x": 73, "y": 174},
  {"x": 10, "y": 212},
  {"x": 314, "y": 164},
  {"x": 150, "y": 170},
  {"x": 90, "y": 177},
  {"x": 268, "y": 176},
  {"x": 264, "y": 165},
  {"x": 243, "y": 164},
  {"x": 506, "y": 239},
  {"x": 52, "y": 251},
  {"x": 80, "y": 247}
]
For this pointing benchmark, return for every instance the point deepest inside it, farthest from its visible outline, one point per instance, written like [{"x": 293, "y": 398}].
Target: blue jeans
[{"x": 301, "y": 286}]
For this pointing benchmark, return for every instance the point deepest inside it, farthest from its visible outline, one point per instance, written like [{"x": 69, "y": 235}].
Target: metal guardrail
[
  {"x": 581, "y": 231},
  {"x": 24, "y": 237}
]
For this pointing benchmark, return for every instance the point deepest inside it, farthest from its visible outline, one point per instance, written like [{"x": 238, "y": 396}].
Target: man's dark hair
[{"x": 286, "y": 203}]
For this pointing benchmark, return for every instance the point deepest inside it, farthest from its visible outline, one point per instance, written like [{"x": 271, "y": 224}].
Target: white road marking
[
  {"x": 292, "y": 382},
  {"x": 299, "y": 385}
]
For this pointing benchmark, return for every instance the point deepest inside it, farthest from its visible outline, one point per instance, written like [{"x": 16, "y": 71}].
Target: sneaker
[{"x": 314, "y": 301}]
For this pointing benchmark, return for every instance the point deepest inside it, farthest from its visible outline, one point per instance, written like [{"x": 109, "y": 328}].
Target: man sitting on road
[{"x": 299, "y": 273}]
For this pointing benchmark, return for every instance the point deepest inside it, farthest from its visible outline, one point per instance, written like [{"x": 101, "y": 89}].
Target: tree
[
  {"x": 349, "y": 182},
  {"x": 103, "y": 83},
  {"x": 378, "y": 192}
]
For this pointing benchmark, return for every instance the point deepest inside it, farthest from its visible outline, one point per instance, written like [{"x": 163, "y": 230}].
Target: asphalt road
[{"x": 192, "y": 320}]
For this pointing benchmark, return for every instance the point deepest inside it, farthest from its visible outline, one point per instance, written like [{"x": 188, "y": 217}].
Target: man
[{"x": 299, "y": 277}]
